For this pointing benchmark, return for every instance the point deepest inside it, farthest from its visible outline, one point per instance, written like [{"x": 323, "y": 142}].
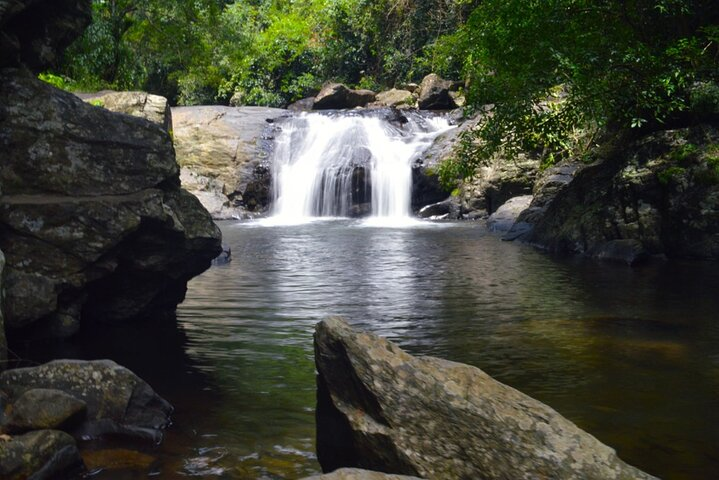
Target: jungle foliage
[{"x": 555, "y": 71}]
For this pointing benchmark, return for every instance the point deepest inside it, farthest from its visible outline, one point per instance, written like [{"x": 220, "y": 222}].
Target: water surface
[{"x": 631, "y": 355}]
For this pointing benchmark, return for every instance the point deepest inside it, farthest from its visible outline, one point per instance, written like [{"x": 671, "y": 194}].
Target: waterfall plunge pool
[{"x": 630, "y": 355}]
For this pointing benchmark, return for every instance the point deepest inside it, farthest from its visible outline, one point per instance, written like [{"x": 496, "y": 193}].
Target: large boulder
[
  {"x": 34, "y": 33},
  {"x": 117, "y": 401},
  {"x": 382, "y": 409},
  {"x": 153, "y": 108},
  {"x": 434, "y": 94},
  {"x": 223, "y": 152},
  {"x": 661, "y": 191},
  {"x": 94, "y": 222},
  {"x": 338, "y": 96},
  {"x": 39, "y": 455}
]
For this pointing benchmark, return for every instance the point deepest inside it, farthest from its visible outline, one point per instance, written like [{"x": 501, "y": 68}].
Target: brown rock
[{"x": 338, "y": 96}]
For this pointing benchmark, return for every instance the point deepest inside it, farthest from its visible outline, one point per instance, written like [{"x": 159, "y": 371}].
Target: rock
[
  {"x": 34, "y": 33},
  {"x": 225, "y": 257},
  {"x": 446, "y": 209},
  {"x": 382, "y": 409},
  {"x": 434, "y": 94},
  {"x": 661, "y": 191},
  {"x": 3, "y": 340},
  {"x": 506, "y": 215},
  {"x": 44, "y": 409},
  {"x": 118, "y": 401},
  {"x": 497, "y": 182},
  {"x": 627, "y": 251},
  {"x": 117, "y": 459},
  {"x": 223, "y": 152},
  {"x": 394, "y": 98},
  {"x": 39, "y": 455},
  {"x": 153, "y": 108},
  {"x": 95, "y": 224},
  {"x": 359, "y": 474},
  {"x": 303, "y": 105},
  {"x": 338, "y": 96}
]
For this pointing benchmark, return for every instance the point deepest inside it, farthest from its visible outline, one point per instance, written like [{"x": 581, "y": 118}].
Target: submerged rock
[
  {"x": 118, "y": 401},
  {"x": 359, "y": 474},
  {"x": 382, "y": 409},
  {"x": 43, "y": 409},
  {"x": 39, "y": 455},
  {"x": 338, "y": 96}
]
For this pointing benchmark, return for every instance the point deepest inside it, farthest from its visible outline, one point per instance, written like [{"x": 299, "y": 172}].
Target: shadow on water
[{"x": 631, "y": 355}]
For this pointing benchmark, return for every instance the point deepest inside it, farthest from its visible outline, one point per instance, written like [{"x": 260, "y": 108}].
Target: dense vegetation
[{"x": 556, "y": 71}]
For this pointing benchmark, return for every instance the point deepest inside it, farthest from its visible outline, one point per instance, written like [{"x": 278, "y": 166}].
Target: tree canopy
[{"x": 552, "y": 69}]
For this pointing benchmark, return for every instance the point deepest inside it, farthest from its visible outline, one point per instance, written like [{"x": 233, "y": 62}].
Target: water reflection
[{"x": 631, "y": 355}]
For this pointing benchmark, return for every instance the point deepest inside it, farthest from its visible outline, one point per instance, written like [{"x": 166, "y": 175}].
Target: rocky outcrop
[
  {"x": 115, "y": 400},
  {"x": 661, "y": 192},
  {"x": 223, "y": 153},
  {"x": 434, "y": 94},
  {"x": 39, "y": 455},
  {"x": 359, "y": 474},
  {"x": 153, "y": 108},
  {"x": 382, "y": 409},
  {"x": 93, "y": 223},
  {"x": 34, "y": 33},
  {"x": 302, "y": 105},
  {"x": 338, "y": 96}
]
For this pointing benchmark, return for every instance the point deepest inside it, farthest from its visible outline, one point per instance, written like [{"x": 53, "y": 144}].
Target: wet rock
[
  {"x": 223, "y": 152},
  {"x": 359, "y": 474},
  {"x": 153, "y": 108},
  {"x": 225, "y": 257},
  {"x": 394, "y": 98},
  {"x": 38, "y": 455},
  {"x": 91, "y": 211},
  {"x": 434, "y": 94},
  {"x": 446, "y": 209},
  {"x": 382, "y": 409},
  {"x": 117, "y": 459},
  {"x": 34, "y": 33},
  {"x": 626, "y": 251},
  {"x": 44, "y": 409},
  {"x": 303, "y": 105},
  {"x": 118, "y": 402},
  {"x": 506, "y": 215},
  {"x": 338, "y": 96}
]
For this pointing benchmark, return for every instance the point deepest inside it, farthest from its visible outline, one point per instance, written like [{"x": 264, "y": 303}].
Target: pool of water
[{"x": 629, "y": 354}]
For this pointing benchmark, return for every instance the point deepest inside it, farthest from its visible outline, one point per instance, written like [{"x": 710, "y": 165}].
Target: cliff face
[{"x": 93, "y": 222}]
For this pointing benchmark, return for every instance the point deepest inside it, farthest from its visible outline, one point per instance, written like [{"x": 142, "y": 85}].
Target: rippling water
[{"x": 631, "y": 355}]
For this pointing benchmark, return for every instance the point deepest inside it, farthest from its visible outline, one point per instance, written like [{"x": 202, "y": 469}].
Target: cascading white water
[{"x": 343, "y": 164}]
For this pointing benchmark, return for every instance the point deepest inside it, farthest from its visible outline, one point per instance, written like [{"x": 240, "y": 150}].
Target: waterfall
[{"x": 349, "y": 164}]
